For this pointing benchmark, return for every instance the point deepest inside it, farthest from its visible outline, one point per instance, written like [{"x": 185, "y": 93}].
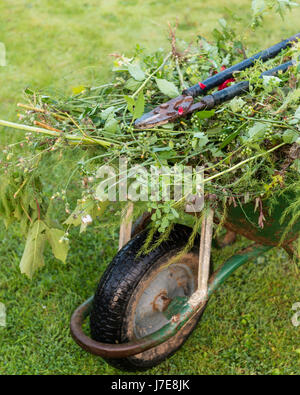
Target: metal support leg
[
  {"x": 126, "y": 225},
  {"x": 200, "y": 296}
]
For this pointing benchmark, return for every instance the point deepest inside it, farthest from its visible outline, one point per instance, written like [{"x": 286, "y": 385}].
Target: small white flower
[{"x": 86, "y": 219}]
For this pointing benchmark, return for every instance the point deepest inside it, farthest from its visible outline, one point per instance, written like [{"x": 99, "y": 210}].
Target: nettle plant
[{"x": 248, "y": 148}]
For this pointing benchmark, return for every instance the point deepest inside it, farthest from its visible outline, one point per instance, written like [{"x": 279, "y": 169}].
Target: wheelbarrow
[{"x": 146, "y": 306}]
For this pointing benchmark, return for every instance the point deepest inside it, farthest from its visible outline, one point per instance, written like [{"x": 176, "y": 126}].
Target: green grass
[{"x": 247, "y": 327}]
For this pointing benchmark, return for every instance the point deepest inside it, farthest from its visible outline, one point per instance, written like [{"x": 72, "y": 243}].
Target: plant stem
[
  {"x": 179, "y": 74},
  {"x": 277, "y": 123},
  {"x": 242, "y": 163},
  {"x": 45, "y": 126},
  {"x": 29, "y": 108},
  {"x": 93, "y": 88},
  {"x": 70, "y": 137}
]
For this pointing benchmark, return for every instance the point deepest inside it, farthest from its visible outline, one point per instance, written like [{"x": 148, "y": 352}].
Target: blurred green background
[
  {"x": 59, "y": 44},
  {"x": 53, "y": 46}
]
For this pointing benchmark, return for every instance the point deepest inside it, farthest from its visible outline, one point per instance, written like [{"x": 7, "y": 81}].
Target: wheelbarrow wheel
[{"x": 134, "y": 292}]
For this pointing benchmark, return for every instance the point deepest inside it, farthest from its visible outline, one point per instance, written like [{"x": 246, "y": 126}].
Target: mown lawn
[{"x": 247, "y": 327}]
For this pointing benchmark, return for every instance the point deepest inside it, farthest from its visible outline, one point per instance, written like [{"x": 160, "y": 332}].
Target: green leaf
[
  {"x": 28, "y": 91},
  {"x": 164, "y": 152},
  {"x": 33, "y": 258},
  {"x": 139, "y": 106},
  {"x": 292, "y": 97},
  {"x": 218, "y": 36},
  {"x": 223, "y": 23},
  {"x": 236, "y": 104},
  {"x": 167, "y": 88},
  {"x": 297, "y": 114},
  {"x": 130, "y": 103},
  {"x": 257, "y": 131},
  {"x": 175, "y": 213},
  {"x": 296, "y": 165},
  {"x": 164, "y": 224},
  {"x": 290, "y": 136},
  {"x": 203, "y": 139},
  {"x": 73, "y": 219},
  {"x": 106, "y": 113},
  {"x": 212, "y": 50},
  {"x": 169, "y": 125},
  {"x": 271, "y": 80},
  {"x": 132, "y": 84},
  {"x": 216, "y": 153},
  {"x": 205, "y": 114},
  {"x": 161, "y": 149},
  {"x": 111, "y": 124},
  {"x": 2, "y": 315},
  {"x": 258, "y": 6},
  {"x": 136, "y": 108},
  {"x": 82, "y": 209},
  {"x": 85, "y": 208},
  {"x": 60, "y": 247},
  {"x": 231, "y": 137},
  {"x": 136, "y": 72}
]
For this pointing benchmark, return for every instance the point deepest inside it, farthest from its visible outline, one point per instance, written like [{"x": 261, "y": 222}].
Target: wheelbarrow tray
[{"x": 244, "y": 219}]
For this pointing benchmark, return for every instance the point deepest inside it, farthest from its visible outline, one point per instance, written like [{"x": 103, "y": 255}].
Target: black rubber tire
[{"x": 118, "y": 284}]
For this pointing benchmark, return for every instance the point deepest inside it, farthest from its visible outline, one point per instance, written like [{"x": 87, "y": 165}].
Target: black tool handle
[
  {"x": 282, "y": 67},
  {"x": 224, "y": 75},
  {"x": 230, "y": 92},
  {"x": 241, "y": 87}
]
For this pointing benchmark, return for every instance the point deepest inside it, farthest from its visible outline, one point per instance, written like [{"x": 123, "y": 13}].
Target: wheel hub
[
  {"x": 174, "y": 281},
  {"x": 161, "y": 302}
]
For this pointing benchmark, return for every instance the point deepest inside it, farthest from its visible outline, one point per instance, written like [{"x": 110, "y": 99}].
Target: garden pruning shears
[{"x": 184, "y": 104}]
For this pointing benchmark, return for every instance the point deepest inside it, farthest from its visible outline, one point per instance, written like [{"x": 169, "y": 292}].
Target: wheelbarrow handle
[
  {"x": 134, "y": 347},
  {"x": 176, "y": 323}
]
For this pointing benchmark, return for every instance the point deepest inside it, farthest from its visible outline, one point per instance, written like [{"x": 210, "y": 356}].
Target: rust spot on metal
[
  {"x": 228, "y": 239},
  {"x": 161, "y": 301}
]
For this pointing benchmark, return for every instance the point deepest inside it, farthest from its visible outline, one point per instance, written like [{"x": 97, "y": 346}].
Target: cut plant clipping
[
  {"x": 2, "y": 315},
  {"x": 248, "y": 146}
]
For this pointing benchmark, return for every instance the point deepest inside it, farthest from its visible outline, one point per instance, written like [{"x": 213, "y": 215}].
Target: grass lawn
[{"x": 54, "y": 45}]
